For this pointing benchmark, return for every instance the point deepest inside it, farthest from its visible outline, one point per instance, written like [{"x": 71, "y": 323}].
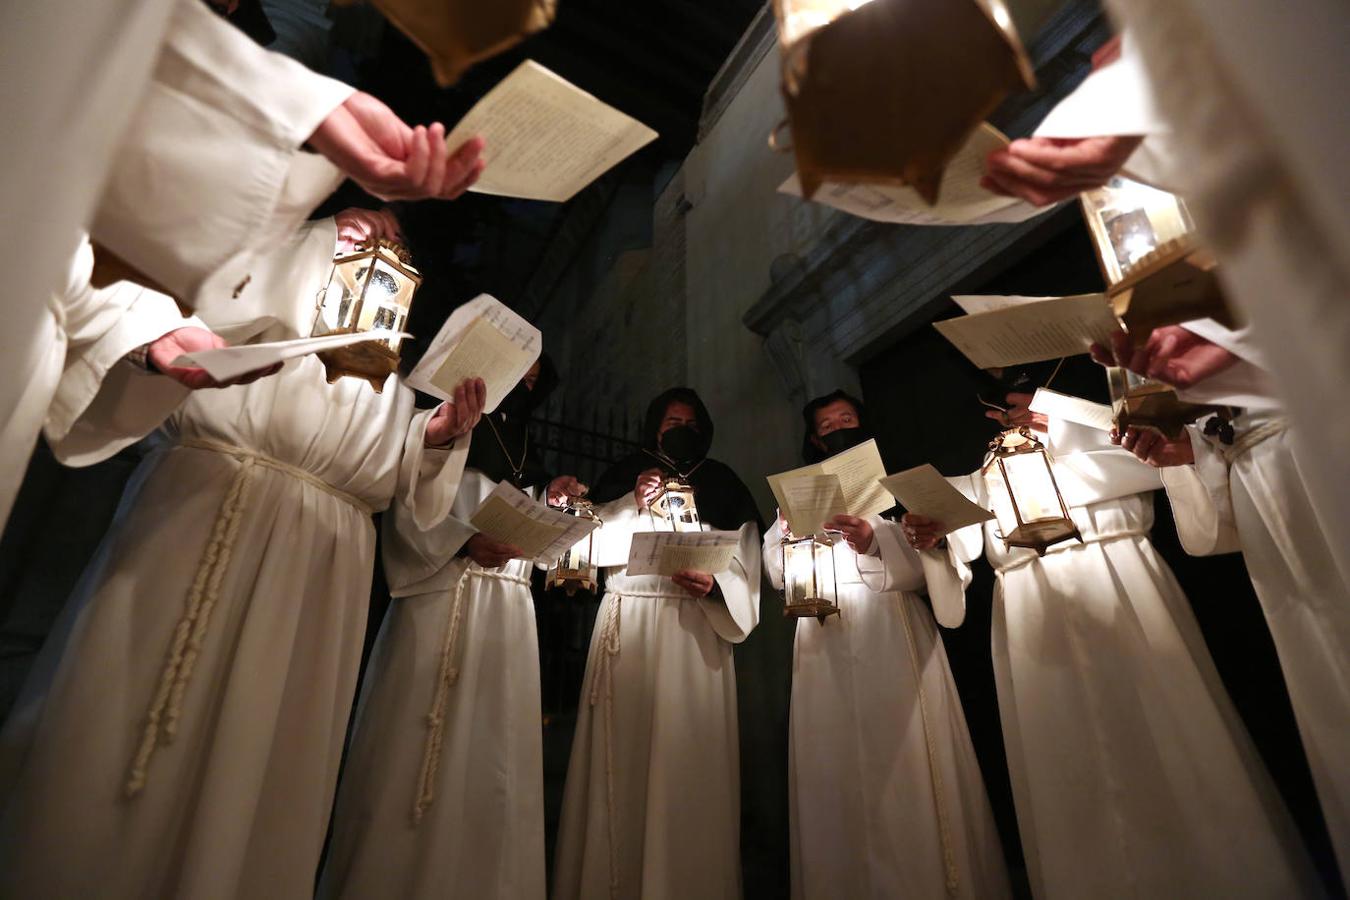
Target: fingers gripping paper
[
  {"x": 923, "y": 491},
  {"x": 961, "y": 201},
  {"x": 846, "y": 483},
  {"x": 228, "y": 363},
  {"x": 1023, "y": 332},
  {"x": 546, "y": 139},
  {"x": 541, "y": 532},
  {"x": 481, "y": 339},
  {"x": 668, "y": 552}
]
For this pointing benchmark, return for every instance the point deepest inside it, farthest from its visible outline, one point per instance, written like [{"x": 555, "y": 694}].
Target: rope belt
[
  {"x": 1066, "y": 545},
  {"x": 1244, "y": 442},
  {"x": 607, "y": 648},
  {"x": 934, "y": 770},
  {"x": 446, "y": 678},
  {"x": 166, "y": 706}
]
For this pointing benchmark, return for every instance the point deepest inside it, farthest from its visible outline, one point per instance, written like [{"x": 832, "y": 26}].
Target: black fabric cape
[
  {"x": 511, "y": 421},
  {"x": 723, "y": 500}
]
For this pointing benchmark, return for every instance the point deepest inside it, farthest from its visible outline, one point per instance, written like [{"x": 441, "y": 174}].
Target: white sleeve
[
  {"x": 736, "y": 613},
  {"x": 1202, "y": 505},
  {"x": 210, "y": 172},
  {"x": 895, "y": 565},
  {"x": 1090, "y": 469}
]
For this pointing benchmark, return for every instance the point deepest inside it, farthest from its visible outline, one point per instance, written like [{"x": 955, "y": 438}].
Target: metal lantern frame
[
  {"x": 575, "y": 570},
  {"x": 822, "y": 597},
  {"x": 1139, "y": 402},
  {"x": 349, "y": 287},
  {"x": 674, "y": 504},
  {"x": 1038, "y": 534}
]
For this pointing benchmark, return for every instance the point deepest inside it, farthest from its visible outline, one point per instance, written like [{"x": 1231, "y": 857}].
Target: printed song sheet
[
  {"x": 807, "y": 496},
  {"x": 546, "y": 139},
  {"x": 483, "y": 339},
  {"x": 1073, "y": 409},
  {"x": 543, "y": 533},
  {"x": 668, "y": 552},
  {"x": 231, "y": 362},
  {"x": 923, "y": 491},
  {"x": 1032, "y": 332},
  {"x": 961, "y": 200}
]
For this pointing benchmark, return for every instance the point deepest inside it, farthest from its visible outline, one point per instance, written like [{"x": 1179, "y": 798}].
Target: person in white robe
[
  {"x": 176, "y": 141},
  {"x": 1250, "y": 494},
  {"x": 651, "y": 807},
  {"x": 886, "y": 795},
  {"x": 181, "y": 731},
  {"x": 449, "y": 731},
  {"x": 1254, "y": 125},
  {"x": 1132, "y": 774}
]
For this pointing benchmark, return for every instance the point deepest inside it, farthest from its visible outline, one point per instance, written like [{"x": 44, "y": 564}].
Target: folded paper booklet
[
  {"x": 546, "y": 138},
  {"x": 231, "y": 362},
  {"x": 1012, "y": 331},
  {"x": 542, "y": 532},
  {"x": 961, "y": 200},
  {"x": 847, "y": 483},
  {"x": 668, "y": 552},
  {"x": 481, "y": 339},
  {"x": 1073, "y": 409},
  {"x": 923, "y": 491}
]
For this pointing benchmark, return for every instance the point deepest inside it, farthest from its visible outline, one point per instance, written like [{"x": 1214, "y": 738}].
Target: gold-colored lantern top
[
  {"x": 810, "y": 586},
  {"x": 1020, "y": 479},
  {"x": 674, "y": 507},
  {"x": 575, "y": 570},
  {"x": 370, "y": 290}
]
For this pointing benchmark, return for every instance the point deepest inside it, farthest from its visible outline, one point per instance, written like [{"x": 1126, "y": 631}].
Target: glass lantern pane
[
  {"x": 798, "y": 572},
  {"x": 1033, "y": 486},
  {"x": 338, "y": 306},
  {"x": 1130, "y": 220}
]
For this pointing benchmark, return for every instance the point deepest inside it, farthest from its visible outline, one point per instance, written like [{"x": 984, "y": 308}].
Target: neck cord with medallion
[
  {"x": 517, "y": 470},
  {"x": 666, "y": 460}
]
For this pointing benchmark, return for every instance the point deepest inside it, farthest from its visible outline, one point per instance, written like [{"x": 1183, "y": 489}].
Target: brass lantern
[
  {"x": 809, "y": 587},
  {"x": 1156, "y": 273},
  {"x": 370, "y": 290},
  {"x": 575, "y": 570},
  {"x": 1143, "y": 403},
  {"x": 673, "y": 506},
  {"x": 1021, "y": 482}
]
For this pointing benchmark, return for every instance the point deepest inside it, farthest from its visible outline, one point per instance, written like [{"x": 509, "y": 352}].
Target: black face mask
[
  {"x": 841, "y": 439},
  {"x": 683, "y": 444}
]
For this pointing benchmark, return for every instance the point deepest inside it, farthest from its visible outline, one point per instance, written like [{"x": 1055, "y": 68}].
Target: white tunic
[
  {"x": 208, "y": 174},
  {"x": 1253, "y": 496},
  {"x": 886, "y": 795},
  {"x": 651, "y": 808},
  {"x": 181, "y": 732},
  {"x": 456, "y": 806},
  {"x": 1254, "y": 94},
  {"x": 82, "y": 334},
  {"x": 1131, "y": 772}
]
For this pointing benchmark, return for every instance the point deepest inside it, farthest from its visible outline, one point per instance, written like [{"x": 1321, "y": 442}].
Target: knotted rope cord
[
  {"x": 166, "y": 705},
  {"x": 446, "y": 678},
  {"x": 1029, "y": 558},
  {"x": 608, "y": 646}
]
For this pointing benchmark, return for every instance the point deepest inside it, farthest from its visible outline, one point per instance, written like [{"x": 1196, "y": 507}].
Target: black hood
[
  {"x": 656, "y": 411},
  {"x": 508, "y": 426},
  {"x": 810, "y": 452}
]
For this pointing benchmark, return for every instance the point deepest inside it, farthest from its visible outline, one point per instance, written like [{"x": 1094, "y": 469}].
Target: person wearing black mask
[
  {"x": 448, "y": 726},
  {"x": 652, "y": 802},
  {"x": 871, "y": 686}
]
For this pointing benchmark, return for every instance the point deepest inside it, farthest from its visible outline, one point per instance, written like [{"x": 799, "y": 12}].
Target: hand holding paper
[
  {"x": 231, "y": 363},
  {"x": 847, "y": 482},
  {"x": 481, "y": 339},
  {"x": 668, "y": 552},
  {"x": 546, "y": 138},
  {"x": 924, "y": 492},
  {"x": 541, "y": 532}
]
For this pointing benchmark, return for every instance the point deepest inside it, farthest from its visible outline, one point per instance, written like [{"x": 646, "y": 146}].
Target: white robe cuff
[{"x": 1201, "y": 503}]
